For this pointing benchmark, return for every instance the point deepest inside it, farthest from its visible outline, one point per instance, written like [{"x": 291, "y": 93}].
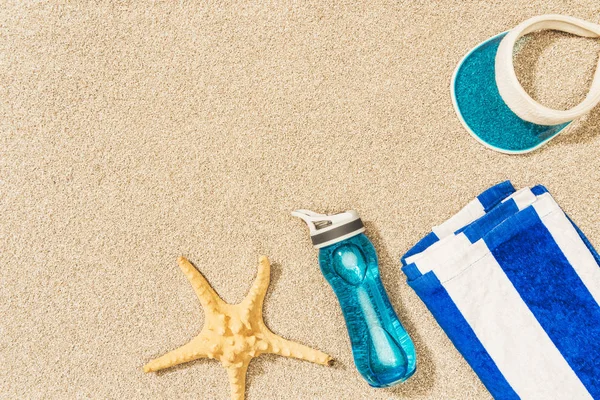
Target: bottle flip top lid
[{"x": 326, "y": 230}]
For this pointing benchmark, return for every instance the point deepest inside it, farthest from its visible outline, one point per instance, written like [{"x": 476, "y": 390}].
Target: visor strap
[{"x": 513, "y": 94}]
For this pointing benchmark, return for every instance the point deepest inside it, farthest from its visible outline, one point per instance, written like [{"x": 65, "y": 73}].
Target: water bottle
[{"x": 383, "y": 352}]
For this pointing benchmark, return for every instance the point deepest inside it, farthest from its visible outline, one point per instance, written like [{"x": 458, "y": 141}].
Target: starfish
[{"x": 234, "y": 333}]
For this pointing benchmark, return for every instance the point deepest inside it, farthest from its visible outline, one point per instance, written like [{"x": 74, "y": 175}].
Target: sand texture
[{"x": 134, "y": 133}]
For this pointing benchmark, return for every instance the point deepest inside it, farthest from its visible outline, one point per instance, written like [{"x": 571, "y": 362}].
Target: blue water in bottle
[{"x": 383, "y": 352}]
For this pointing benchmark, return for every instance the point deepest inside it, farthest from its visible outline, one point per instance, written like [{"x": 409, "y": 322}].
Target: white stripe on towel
[{"x": 468, "y": 214}]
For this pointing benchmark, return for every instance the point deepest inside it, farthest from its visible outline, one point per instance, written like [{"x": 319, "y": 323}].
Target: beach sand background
[{"x": 136, "y": 132}]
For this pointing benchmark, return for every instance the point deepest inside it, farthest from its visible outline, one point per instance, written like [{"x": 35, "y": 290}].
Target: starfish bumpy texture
[{"x": 234, "y": 333}]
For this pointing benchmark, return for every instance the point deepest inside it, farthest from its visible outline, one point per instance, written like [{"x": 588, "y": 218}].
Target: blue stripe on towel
[
  {"x": 437, "y": 300},
  {"x": 566, "y": 310},
  {"x": 411, "y": 271},
  {"x": 421, "y": 246},
  {"x": 494, "y": 195},
  {"x": 538, "y": 190},
  {"x": 489, "y": 221}
]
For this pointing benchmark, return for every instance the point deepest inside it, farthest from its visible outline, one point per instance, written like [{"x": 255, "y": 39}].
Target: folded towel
[{"x": 516, "y": 287}]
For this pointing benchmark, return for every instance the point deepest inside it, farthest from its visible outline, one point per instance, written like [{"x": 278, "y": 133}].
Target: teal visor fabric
[{"x": 483, "y": 111}]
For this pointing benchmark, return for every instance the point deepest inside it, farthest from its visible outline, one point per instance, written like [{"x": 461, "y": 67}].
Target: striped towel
[{"x": 516, "y": 287}]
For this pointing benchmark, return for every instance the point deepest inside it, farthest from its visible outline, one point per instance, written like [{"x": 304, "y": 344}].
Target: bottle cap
[{"x": 326, "y": 230}]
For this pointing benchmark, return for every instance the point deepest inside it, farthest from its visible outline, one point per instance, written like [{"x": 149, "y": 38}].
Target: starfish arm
[
  {"x": 288, "y": 348},
  {"x": 237, "y": 379},
  {"x": 256, "y": 295},
  {"x": 206, "y": 294},
  {"x": 189, "y": 352}
]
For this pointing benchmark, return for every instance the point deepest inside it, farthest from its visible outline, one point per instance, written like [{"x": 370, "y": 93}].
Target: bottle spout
[
  {"x": 312, "y": 219},
  {"x": 326, "y": 229}
]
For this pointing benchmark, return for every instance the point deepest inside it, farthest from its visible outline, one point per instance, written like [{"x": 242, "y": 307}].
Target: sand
[{"x": 131, "y": 134}]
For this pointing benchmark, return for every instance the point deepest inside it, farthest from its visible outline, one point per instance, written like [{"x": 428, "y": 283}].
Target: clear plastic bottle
[{"x": 383, "y": 352}]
